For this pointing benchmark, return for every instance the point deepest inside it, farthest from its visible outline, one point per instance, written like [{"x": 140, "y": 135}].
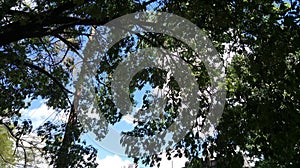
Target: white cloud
[
  {"x": 42, "y": 114},
  {"x": 117, "y": 162},
  {"x": 38, "y": 115},
  {"x": 113, "y": 162},
  {"x": 128, "y": 118}
]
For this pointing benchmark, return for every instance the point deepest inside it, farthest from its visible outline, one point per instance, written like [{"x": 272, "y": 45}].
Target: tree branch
[
  {"x": 65, "y": 90},
  {"x": 50, "y": 26},
  {"x": 5, "y": 160}
]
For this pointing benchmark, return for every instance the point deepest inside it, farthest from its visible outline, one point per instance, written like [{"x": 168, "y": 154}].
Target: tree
[
  {"x": 37, "y": 42},
  {"x": 262, "y": 110},
  {"x": 6, "y": 146},
  {"x": 39, "y": 47}
]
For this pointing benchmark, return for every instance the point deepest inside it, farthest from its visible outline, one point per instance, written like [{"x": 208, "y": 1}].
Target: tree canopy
[
  {"x": 6, "y": 148},
  {"x": 42, "y": 41}
]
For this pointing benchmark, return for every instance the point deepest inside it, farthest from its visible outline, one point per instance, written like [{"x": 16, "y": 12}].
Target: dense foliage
[
  {"x": 42, "y": 40},
  {"x": 6, "y": 148}
]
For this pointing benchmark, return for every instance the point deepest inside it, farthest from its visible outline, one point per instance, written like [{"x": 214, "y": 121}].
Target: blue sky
[{"x": 39, "y": 113}]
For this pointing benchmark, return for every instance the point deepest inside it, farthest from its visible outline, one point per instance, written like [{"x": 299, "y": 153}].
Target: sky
[{"x": 39, "y": 113}]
